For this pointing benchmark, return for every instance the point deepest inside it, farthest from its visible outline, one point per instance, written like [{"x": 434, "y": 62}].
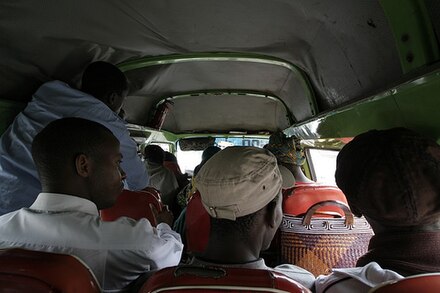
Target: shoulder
[
  {"x": 296, "y": 273},
  {"x": 355, "y": 279}
]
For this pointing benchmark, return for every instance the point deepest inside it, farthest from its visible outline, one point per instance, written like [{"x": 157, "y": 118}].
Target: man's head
[
  {"x": 206, "y": 155},
  {"x": 154, "y": 154},
  {"x": 79, "y": 157},
  {"x": 105, "y": 82},
  {"x": 238, "y": 185},
  {"x": 392, "y": 177}
]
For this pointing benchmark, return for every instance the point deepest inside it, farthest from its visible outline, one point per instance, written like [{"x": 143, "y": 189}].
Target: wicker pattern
[{"x": 324, "y": 244}]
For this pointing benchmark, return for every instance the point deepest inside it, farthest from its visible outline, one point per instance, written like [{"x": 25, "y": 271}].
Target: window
[
  {"x": 188, "y": 160},
  {"x": 322, "y": 165}
]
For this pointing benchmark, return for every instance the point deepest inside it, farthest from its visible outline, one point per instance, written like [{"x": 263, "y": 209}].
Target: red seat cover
[
  {"x": 134, "y": 204},
  {"x": 429, "y": 283},
  {"x": 38, "y": 271},
  {"x": 198, "y": 225},
  {"x": 218, "y": 279},
  {"x": 298, "y": 200}
]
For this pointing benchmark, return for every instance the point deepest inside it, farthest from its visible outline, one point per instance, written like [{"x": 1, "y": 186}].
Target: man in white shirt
[
  {"x": 78, "y": 162},
  {"x": 101, "y": 97},
  {"x": 161, "y": 177}
]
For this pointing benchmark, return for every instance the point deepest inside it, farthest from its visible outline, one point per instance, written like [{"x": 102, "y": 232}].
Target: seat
[
  {"x": 217, "y": 279},
  {"x": 134, "y": 204},
  {"x": 427, "y": 283},
  {"x": 37, "y": 271},
  {"x": 197, "y": 225},
  {"x": 298, "y": 200}
]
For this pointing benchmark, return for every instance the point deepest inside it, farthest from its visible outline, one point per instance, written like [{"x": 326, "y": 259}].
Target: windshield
[{"x": 188, "y": 160}]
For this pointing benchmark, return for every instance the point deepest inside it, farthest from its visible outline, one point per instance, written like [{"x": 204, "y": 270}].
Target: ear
[
  {"x": 271, "y": 215},
  {"x": 82, "y": 165},
  {"x": 112, "y": 97}
]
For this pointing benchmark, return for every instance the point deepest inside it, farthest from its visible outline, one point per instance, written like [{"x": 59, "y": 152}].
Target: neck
[{"x": 231, "y": 251}]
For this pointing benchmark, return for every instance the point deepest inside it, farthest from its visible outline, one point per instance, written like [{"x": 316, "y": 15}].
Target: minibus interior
[{"x": 233, "y": 72}]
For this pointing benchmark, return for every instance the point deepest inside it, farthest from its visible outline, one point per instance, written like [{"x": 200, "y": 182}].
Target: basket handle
[{"x": 349, "y": 218}]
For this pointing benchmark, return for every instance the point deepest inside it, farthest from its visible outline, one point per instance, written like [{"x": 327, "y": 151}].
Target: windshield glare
[{"x": 188, "y": 160}]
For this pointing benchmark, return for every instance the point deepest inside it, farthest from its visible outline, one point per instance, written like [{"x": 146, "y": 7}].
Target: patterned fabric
[
  {"x": 287, "y": 150},
  {"x": 326, "y": 244}
]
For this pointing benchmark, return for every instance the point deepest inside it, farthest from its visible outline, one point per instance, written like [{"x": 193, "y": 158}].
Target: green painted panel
[
  {"x": 414, "y": 104},
  {"x": 413, "y": 32}
]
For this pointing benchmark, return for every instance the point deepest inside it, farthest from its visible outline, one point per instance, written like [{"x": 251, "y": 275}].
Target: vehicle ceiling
[{"x": 343, "y": 49}]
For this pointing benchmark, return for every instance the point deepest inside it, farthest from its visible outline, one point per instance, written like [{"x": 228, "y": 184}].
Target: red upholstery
[
  {"x": 198, "y": 225},
  {"x": 298, "y": 200},
  {"x": 134, "y": 204},
  {"x": 36, "y": 271},
  {"x": 427, "y": 283},
  {"x": 216, "y": 279}
]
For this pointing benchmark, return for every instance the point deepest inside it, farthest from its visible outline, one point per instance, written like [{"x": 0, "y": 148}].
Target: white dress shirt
[
  {"x": 359, "y": 279},
  {"x": 19, "y": 183},
  {"x": 163, "y": 180},
  {"x": 117, "y": 252}
]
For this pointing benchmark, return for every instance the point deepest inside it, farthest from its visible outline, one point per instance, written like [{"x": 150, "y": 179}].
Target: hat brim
[{"x": 287, "y": 177}]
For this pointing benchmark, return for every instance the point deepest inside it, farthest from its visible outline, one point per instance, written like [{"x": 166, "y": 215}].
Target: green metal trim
[
  {"x": 411, "y": 25},
  {"x": 226, "y": 56},
  {"x": 413, "y": 104},
  {"x": 238, "y": 92}
]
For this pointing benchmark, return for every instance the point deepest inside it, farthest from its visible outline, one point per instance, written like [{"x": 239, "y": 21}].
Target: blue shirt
[{"x": 19, "y": 183}]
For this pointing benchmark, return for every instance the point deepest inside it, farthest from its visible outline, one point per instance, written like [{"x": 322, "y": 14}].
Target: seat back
[
  {"x": 298, "y": 200},
  {"x": 37, "y": 271},
  {"x": 428, "y": 283},
  {"x": 134, "y": 204},
  {"x": 217, "y": 279},
  {"x": 197, "y": 225}
]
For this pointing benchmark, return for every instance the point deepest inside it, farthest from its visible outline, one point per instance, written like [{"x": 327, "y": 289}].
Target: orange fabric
[{"x": 298, "y": 200}]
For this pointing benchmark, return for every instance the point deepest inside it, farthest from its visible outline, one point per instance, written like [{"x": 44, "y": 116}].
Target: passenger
[
  {"x": 100, "y": 98},
  {"x": 240, "y": 188},
  {"x": 170, "y": 162},
  {"x": 78, "y": 162},
  {"x": 290, "y": 154},
  {"x": 161, "y": 178},
  {"x": 206, "y": 155},
  {"x": 184, "y": 195},
  {"x": 392, "y": 178}
]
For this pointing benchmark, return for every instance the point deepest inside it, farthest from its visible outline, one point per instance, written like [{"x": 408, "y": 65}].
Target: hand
[{"x": 164, "y": 216}]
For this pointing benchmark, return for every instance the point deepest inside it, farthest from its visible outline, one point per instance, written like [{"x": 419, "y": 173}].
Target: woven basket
[{"x": 320, "y": 244}]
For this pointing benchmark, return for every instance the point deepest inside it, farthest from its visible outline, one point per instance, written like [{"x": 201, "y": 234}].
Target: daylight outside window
[
  {"x": 188, "y": 160},
  {"x": 323, "y": 165}
]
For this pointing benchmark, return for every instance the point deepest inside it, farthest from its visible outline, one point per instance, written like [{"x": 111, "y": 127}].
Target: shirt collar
[{"x": 57, "y": 202}]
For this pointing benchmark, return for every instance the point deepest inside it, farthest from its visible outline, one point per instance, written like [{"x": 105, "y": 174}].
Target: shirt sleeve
[
  {"x": 137, "y": 176},
  {"x": 302, "y": 276},
  {"x": 358, "y": 279}
]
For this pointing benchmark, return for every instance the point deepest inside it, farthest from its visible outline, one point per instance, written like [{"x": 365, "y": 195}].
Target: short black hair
[
  {"x": 154, "y": 154},
  {"x": 57, "y": 145},
  {"x": 102, "y": 78},
  {"x": 240, "y": 228}
]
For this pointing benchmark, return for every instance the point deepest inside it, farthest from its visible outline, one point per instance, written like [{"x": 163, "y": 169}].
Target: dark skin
[
  {"x": 228, "y": 248},
  {"x": 97, "y": 178},
  {"x": 297, "y": 173}
]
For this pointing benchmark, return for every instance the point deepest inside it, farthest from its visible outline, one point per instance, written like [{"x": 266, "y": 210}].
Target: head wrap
[{"x": 286, "y": 150}]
